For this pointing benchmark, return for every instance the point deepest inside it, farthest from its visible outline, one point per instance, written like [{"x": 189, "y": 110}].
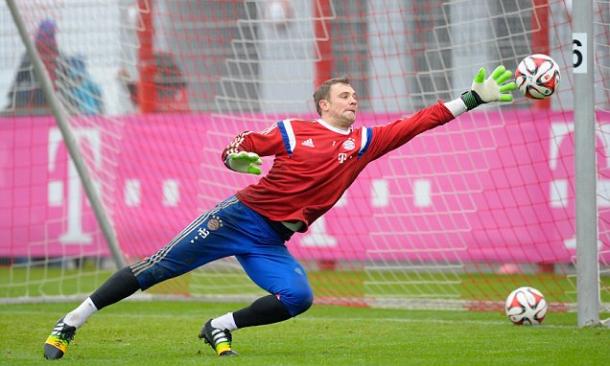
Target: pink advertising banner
[{"x": 462, "y": 192}]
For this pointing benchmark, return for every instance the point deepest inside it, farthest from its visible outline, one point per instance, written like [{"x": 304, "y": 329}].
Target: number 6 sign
[{"x": 579, "y": 52}]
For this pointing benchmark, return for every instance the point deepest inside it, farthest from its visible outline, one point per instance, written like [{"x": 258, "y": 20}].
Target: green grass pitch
[{"x": 165, "y": 333}]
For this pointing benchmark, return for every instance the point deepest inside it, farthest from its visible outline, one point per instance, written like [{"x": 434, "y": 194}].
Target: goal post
[
  {"x": 587, "y": 262},
  {"x": 153, "y": 90}
]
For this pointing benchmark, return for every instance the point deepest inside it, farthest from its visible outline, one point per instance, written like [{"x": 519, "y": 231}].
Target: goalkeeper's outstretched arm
[
  {"x": 495, "y": 88},
  {"x": 243, "y": 155}
]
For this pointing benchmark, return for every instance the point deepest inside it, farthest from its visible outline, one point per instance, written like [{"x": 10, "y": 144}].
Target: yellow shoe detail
[
  {"x": 222, "y": 348},
  {"x": 58, "y": 343}
]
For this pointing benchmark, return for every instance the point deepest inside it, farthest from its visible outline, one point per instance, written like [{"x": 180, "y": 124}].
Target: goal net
[{"x": 155, "y": 89}]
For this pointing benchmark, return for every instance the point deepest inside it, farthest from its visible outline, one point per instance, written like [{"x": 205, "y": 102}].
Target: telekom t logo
[
  {"x": 74, "y": 233},
  {"x": 559, "y": 187}
]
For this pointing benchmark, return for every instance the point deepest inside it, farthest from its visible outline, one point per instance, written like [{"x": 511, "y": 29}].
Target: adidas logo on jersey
[{"x": 308, "y": 143}]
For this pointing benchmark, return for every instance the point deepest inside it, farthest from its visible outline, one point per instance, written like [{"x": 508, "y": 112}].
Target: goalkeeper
[{"x": 315, "y": 162}]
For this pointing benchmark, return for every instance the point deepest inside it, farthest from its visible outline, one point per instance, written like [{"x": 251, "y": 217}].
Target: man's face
[{"x": 341, "y": 107}]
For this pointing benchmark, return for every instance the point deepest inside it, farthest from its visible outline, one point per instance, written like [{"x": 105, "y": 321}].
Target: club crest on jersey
[
  {"x": 349, "y": 144},
  {"x": 214, "y": 223}
]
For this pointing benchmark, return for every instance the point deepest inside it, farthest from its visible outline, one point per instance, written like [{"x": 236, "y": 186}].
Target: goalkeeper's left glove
[{"x": 492, "y": 89}]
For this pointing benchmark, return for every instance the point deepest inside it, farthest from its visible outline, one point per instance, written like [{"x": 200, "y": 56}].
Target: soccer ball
[
  {"x": 526, "y": 305},
  {"x": 537, "y": 76}
]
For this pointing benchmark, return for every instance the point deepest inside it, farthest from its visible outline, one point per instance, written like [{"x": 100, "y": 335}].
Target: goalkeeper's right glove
[
  {"x": 244, "y": 162},
  {"x": 492, "y": 89}
]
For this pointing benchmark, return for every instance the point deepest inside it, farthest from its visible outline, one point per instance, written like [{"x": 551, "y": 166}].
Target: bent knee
[{"x": 297, "y": 301}]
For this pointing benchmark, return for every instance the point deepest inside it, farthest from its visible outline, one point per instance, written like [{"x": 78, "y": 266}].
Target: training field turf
[{"x": 165, "y": 333}]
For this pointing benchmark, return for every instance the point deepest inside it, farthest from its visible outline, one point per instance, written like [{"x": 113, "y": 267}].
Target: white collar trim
[{"x": 334, "y": 129}]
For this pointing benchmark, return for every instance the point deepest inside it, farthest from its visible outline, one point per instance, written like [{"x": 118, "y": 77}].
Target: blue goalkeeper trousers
[{"x": 232, "y": 229}]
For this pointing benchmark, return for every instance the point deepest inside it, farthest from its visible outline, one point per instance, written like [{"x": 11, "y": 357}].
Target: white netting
[{"x": 155, "y": 89}]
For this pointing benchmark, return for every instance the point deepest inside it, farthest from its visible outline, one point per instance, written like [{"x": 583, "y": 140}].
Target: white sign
[{"x": 579, "y": 53}]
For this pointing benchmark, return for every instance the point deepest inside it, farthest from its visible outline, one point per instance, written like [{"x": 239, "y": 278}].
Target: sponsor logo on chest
[{"x": 345, "y": 150}]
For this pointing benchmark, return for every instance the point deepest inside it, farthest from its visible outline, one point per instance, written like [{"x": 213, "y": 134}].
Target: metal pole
[
  {"x": 541, "y": 40},
  {"x": 147, "y": 88},
  {"x": 587, "y": 265},
  {"x": 61, "y": 117},
  {"x": 322, "y": 29}
]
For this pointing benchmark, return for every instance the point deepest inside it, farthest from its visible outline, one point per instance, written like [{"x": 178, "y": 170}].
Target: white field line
[{"x": 311, "y": 318}]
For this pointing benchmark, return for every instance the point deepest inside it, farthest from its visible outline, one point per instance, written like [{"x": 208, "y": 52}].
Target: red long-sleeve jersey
[{"x": 315, "y": 162}]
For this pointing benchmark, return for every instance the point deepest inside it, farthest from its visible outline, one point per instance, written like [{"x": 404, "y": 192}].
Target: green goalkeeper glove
[
  {"x": 244, "y": 162},
  {"x": 492, "y": 89}
]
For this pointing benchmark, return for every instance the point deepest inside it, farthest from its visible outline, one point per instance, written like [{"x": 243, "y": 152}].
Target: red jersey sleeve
[
  {"x": 395, "y": 134},
  {"x": 264, "y": 143}
]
